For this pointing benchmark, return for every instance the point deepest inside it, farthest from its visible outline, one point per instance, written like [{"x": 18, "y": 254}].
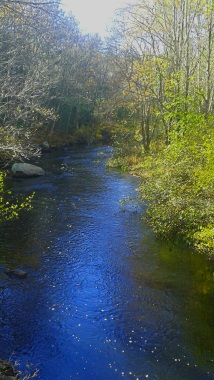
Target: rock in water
[
  {"x": 24, "y": 170},
  {"x": 45, "y": 147},
  {"x": 16, "y": 273}
]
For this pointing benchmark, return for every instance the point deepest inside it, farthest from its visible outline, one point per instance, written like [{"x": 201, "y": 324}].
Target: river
[{"x": 103, "y": 300}]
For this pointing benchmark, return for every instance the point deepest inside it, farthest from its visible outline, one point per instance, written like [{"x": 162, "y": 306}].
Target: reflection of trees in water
[{"x": 188, "y": 279}]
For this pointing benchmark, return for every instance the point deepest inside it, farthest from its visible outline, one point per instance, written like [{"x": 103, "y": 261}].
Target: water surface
[{"x": 103, "y": 299}]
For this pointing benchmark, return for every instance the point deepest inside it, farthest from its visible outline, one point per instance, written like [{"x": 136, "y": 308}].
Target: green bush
[
  {"x": 10, "y": 208},
  {"x": 180, "y": 186}
]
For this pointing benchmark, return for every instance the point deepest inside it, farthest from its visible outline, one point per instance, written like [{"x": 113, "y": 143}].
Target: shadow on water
[{"x": 103, "y": 299}]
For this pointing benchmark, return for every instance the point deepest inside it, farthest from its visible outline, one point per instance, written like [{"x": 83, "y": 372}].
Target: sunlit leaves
[
  {"x": 10, "y": 207},
  {"x": 180, "y": 187}
]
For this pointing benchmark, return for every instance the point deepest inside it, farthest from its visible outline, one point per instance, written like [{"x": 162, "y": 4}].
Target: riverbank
[
  {"x": 8, "y": 371},
  {"x": 95, "y": 134},
  {"x": 178, "y": 186}
]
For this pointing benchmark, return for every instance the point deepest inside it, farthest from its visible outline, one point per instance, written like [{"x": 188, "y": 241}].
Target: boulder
[
  {"x": 16, "y": 273},
  {"x": 23, "y": 170}
]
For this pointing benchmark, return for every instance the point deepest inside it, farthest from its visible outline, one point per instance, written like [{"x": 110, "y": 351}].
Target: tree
[
  {"x": 169, "y": 47},
  {"x": 27, "y": 74},
  {"x": 164, "y": 50}
]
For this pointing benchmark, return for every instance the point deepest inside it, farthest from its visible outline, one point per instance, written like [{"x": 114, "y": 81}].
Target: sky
[{"x": 93, "y": 15}]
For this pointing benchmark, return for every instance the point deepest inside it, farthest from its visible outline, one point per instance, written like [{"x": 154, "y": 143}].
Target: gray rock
[
  {"x": 23, "y": 170},
  {"x": 16, "y": 273}
]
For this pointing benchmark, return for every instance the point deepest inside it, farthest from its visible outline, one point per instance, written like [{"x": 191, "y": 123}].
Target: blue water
[{"x": 103, "y": 299}]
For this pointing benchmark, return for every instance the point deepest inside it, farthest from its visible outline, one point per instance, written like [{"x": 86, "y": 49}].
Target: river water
[{"x": 103, "y": 299}]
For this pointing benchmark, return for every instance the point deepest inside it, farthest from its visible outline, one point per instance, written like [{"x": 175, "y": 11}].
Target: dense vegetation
[
  {"x": 165, "y": 52},
  {"x": 149, "y": 87}
]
